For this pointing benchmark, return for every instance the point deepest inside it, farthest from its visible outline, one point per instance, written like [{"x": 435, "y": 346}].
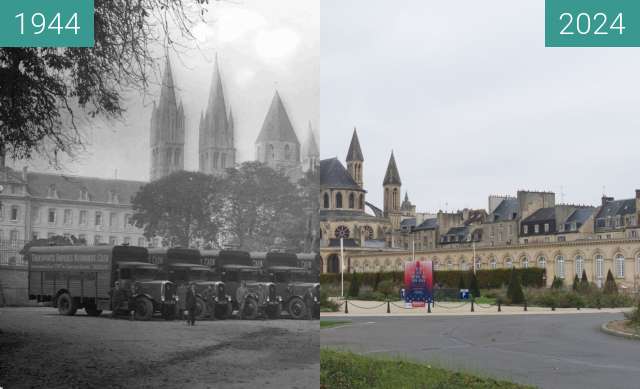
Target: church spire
[
  {"x": 392, "y": 177},
  {"x": 355, "y": 153},
  {"x": 310, "y": 146}
]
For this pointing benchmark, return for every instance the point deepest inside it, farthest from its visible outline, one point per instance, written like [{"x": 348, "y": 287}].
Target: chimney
[{"x": 607, "y": 199}]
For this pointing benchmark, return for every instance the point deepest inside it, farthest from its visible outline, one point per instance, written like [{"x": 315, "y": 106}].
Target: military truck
[
  {"x": 97, "y": 278},
  {"x": 182, "y": 266},
  {"x": 300, "y": 295},
  {"x": 251, "y": 296}
]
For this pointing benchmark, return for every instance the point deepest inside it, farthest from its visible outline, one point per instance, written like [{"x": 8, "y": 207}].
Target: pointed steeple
[
  {"x": 392, "y": 177},
  {"x": 277, "y": 126},
  {"x": 310, "y": 145},
  {"x": 167, "y": 92},
  {"x": 355, "y": 153},
  {"x": 406, "y": 196}
]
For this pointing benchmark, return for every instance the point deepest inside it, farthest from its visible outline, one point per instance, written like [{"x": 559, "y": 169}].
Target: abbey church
[{"x": 277, "y": 144}]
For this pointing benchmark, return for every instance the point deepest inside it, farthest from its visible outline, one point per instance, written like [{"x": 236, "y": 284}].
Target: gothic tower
[
  {"x": 311, "y": 152},
  {"x": 392, "y": 186},
  {"x": 167, "y": 130},
  {"x": 277, "y": 145},
  {"x": 216, "y": 139},
  {"x": 355, "y": 159}
]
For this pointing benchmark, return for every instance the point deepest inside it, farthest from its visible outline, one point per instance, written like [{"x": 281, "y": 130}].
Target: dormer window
[
  {"x": 52, "y": 192},
  {"x": 112, "y": 197},
  {"x": 84, "y": 194}
]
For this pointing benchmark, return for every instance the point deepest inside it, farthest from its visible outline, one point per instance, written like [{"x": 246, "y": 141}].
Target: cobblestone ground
[{"x": 40, "y": 348}]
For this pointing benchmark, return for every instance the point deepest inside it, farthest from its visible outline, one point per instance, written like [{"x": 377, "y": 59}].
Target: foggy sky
[
  {"x": 473, "y": 104},
  {"x": 261, "y": 46}
]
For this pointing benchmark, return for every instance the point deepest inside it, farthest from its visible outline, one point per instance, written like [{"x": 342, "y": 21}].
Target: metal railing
[{"x": 10, "y": 253}]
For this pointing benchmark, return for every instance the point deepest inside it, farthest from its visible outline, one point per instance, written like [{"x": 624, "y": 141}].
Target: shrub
[
  {"x": 473, "y": 286},
  {"x": 387, "y": 288},
  {"x": 610, "y": 286},
  {"x": 592, "y": 298},
  {"x": 325, "y": 303},
  {"x": 461, "y": 284},
  {"x": 576, "y": 283},
  {"x": 514, "y": 291},
  {"x": 354, "y": 287},
  {"x": 377, "y": 280},
  {"x": 558, "y": 283},
  {"x": 634, "y": 316}
]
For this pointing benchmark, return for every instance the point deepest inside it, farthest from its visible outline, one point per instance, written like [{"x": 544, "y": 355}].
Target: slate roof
[
  {"x": 458, "y": 231},
  {"x": 617, "y": 207},
  {"x": 277, "y": 126},
  {"x": 70, "y": 187},
  {"x": 580, "y": 215},
  {"x": 392, "y": 177},
  {"x": 429, "y": 224},
  {"x": 406, "y": 203},
  {"x": 408, "y": 223},
  {"x": 542, "y": 214},
  {"x": 355, "y": 153},
  {"x": 506, "y": 210},
  {"x": 334, "y": 175}
]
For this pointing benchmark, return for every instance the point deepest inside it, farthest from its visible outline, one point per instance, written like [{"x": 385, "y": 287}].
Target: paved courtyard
[{"x": 550, "y": 351}]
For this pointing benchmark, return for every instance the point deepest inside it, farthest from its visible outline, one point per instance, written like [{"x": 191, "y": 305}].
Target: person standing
[{"x": 191, "y": 304}]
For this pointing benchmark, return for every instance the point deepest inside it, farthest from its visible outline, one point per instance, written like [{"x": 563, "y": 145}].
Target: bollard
[
  {"x": 388, "y": 307},
  {"x": 472, "y": 310},
  {"x": 553, "y": 307},
  {"x": 429, "y": 307},
  {"x": 499, "y": 306},
  {"x": 346, "y": 306},
  {"x": 525, "y": 305}
]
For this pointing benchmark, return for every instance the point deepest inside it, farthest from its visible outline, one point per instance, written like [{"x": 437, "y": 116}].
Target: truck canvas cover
[{"x": 164, "y": 256}]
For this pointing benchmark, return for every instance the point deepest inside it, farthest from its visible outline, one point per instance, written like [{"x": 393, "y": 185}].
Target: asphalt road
[
  {"x": 548, "y": 351},
  {"x": 41, "y": 349}
]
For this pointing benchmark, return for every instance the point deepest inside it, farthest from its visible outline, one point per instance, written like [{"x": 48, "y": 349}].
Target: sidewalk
[{"x": 379, "y": 308}]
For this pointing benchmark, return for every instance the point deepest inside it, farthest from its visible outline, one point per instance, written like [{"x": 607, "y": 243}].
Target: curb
[{"x": 604, "y": 328}]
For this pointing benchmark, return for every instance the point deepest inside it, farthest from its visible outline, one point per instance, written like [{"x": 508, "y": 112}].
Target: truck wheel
[
  {"x": 297, "y": 308},
  {"x": 66, "y": 306},
  {"x": 223, "y": 311},
  {"x": 201, "y": 308},
  {"x": 273, "y": 311},
  {"x": 250, "y": 309},
  {"x": 143, "y": 309},
  {"x": 92, "y": 310}
]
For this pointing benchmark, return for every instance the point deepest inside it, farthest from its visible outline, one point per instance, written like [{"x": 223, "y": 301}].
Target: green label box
[
  {"x": 592, "y": 23},
  {"x": 46, "y": 23}
]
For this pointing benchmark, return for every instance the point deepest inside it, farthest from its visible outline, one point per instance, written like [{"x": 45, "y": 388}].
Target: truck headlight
[
  {"x": 162, "y": 298},
  {"x": 176, "y": 298},
  {"x": 267, "y": 299}
]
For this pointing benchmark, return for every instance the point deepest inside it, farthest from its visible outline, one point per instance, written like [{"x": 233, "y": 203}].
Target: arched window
[
  {"x": 272, "y": 152},
  {"x": 361, "y": 202},
  {"x": 326, "y": 200},
  {"x": 620, "y": 266},
  {"x": 395, "y": 199},
  {"x": 579, "y": 265},
  {"x": 169, "y": 154},
  {"x": 599, "y": 267},
  {"x": 223, "y": 160},
  {"x": 509, "y": 263},
  {"x": 560, "y": 266},
  {"x": 463, "y": 265},
  {"x": 435, "y": 265},
  {"x": 338, "y": 200},
  {"x": 176, "y": 157},
  {"x": 449, "y": 265},
  {"x": 368, "y": 232},
  {"x": 352, "y": 201},
  {"x": 542, "y": 262},
  {"x": 214, "y": 162},
  {"x": 525, "y": 262},
  {"x": 493, "y": 263},
  {"x": 287, "y": 152}
]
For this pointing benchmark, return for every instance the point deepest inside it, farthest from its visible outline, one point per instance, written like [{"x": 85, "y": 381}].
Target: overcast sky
[
  {"x": 261, "y": 45},
  {"x": 473, "y": 104}
]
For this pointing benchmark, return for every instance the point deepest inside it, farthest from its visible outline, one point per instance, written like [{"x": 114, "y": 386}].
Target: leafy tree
[
  {"x": 514, "y": 291},
  {"x": 180, "y": 208},
  {"x": 576, "y": 283},
  {"x": 354, "y": 286},
  {"x": 558, "y": 283},
  {"x": 473, "y": 287},
  {"x": 461, "y": 284},
  {"x": 377, "y": 279},
  {"x": 262, "y": 208},
  {"x": 610, "y": 286},
  {"x": 46, "y": 92}
]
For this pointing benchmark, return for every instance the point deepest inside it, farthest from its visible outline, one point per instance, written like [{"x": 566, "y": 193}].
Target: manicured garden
[
  {"x": 340, "y": 370},
  {"x": 488, "y": 287}
]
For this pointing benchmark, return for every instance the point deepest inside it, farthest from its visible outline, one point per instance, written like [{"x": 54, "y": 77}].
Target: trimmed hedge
[{"x": 487, "y": 279}]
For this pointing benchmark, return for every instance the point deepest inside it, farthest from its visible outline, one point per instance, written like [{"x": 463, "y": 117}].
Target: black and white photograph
[{"x": 159, "y": 200}]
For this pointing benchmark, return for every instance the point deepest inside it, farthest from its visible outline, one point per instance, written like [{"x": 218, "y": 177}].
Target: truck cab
[
  {"x": 183, "y": 267},
  {"x": 300, "y": 296},
  {"x": 250, "y": 296}
]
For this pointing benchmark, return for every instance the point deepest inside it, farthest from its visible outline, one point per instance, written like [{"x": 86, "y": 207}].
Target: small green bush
[
  {"x": 473, "y": 286},
  {"x": 514, "y": 291},
  {"x": 610, "y": 286},
  {"x": 326, "y": 304},
  {"x": 354, "y": 287}
]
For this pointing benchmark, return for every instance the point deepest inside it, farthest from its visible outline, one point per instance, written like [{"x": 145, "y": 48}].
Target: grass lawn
[
  {"x": 332, "y": 323},
  {"x": 340, "y": 370},
  {"x": 485, "y": 300}
]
